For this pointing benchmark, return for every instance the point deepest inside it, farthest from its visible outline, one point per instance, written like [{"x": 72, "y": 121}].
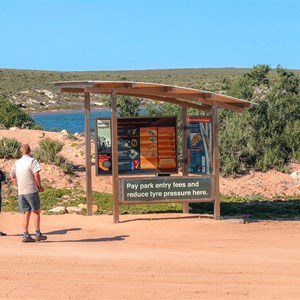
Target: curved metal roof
[{"x": 199, "y": 99}]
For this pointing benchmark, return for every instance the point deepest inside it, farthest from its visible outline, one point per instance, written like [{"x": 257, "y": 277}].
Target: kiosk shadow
[
  {"x": 254, "y": 210},
  {"x": 168, "y": 218}
]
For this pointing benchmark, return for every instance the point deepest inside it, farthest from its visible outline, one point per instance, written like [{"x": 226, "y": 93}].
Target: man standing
[
  {"x": 26, "y": 176},
  {"x": 2, "y": 179}
]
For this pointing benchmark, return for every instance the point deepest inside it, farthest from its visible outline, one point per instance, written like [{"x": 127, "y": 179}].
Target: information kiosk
[{"x": 140, "y": 153}]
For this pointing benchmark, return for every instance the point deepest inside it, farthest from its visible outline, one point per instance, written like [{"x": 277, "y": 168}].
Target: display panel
[
  {"x": 199, "y": 145},
  {"x": 103, "y": 145},
  {"x": 145, "y": 145}
]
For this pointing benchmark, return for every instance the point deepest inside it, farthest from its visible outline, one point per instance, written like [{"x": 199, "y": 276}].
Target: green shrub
[
  {"x": 48, "y": 150},
  {"x": 51, "y": 198},
  {"x": 72, "y": 136},
  {"x": 266, "y": 136},
  {"x": 11, "y": 115},
  {"x": 48, "y": 153},
  {"x": 66, "y": 166},
  {"x": 10, "y": 148}
]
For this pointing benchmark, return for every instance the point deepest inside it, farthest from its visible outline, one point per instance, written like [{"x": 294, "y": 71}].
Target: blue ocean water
[{"x": 71, "y": 120}]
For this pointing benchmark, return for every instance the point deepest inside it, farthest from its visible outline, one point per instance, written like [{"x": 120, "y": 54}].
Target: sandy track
[{"x": 162, "y": 256}]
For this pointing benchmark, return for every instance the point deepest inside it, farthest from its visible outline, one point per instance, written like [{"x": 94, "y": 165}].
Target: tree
[
  {"x": 127, "y": 106},
  {"x": 11, "y": 115},
  {"x": 266, "y": 135}
]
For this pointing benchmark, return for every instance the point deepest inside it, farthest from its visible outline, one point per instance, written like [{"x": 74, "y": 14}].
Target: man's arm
[
  {"x": 13, "y": 175},
  {"x": 15, "y": 182},
  {"x": 38, "y": 181}
]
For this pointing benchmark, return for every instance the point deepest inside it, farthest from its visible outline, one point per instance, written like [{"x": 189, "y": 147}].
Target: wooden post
[
  {"x": 88, "y": 163},
  {"x": 184, "y": 153},
  {"x": 216, "y": 164},
  {"x": 115, "y": 167}
]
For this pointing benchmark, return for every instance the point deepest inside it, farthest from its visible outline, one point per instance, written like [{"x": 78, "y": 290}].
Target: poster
[
  {"x": 199, "y": 145},
  {"x": 103, "y": 145},
  {"x": 145, "y": 145}
]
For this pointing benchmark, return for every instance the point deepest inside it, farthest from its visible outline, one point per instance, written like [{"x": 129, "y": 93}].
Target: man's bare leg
[
  {"x": 26, "y": 237},
  {"x": 37, "y": 220},
  {"x": 26, "y": 218}
]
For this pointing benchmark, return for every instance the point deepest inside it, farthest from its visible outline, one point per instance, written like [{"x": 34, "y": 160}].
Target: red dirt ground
[{"x": 169, "y": 256}]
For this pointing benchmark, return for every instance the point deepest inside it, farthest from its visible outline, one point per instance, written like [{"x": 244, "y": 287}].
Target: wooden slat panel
[{"x": 163, "y": 96}]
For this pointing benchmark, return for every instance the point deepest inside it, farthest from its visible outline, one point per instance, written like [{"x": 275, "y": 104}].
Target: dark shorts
[{"x": 29, "y": 202}]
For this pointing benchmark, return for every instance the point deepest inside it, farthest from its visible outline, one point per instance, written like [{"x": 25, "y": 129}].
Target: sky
[{"x": 107, "y": 35}]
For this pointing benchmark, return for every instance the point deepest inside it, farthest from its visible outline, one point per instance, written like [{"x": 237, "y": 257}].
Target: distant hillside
[{"x": 33, "y": 89}]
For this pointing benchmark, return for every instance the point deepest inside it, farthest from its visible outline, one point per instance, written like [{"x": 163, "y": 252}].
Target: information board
[
  {"x": 199, "y": 145},
  {"x": 145, "y": 145}
]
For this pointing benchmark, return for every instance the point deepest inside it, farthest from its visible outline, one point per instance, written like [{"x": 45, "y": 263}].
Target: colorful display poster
[
  {"x": 145, "y": 145},
  {"x": 199, "y": 145},
  {"x": 104, "y": 162}
]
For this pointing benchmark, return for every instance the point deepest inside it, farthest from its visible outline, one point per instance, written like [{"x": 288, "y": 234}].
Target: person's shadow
[
  {"x": 62, "y": 231},
  {"x": 65, "y": 231},
  {"x": 103, "y": 239}
]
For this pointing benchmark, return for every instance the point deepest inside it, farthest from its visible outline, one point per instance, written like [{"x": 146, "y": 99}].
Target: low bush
[
  {"x": 11, "y": 115},
  {"x": 48, "y": 150},
  {"x": 10, "y": 148},
  {"x": 48, "y": 153},
  {"x": 66, "y": 166}
]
